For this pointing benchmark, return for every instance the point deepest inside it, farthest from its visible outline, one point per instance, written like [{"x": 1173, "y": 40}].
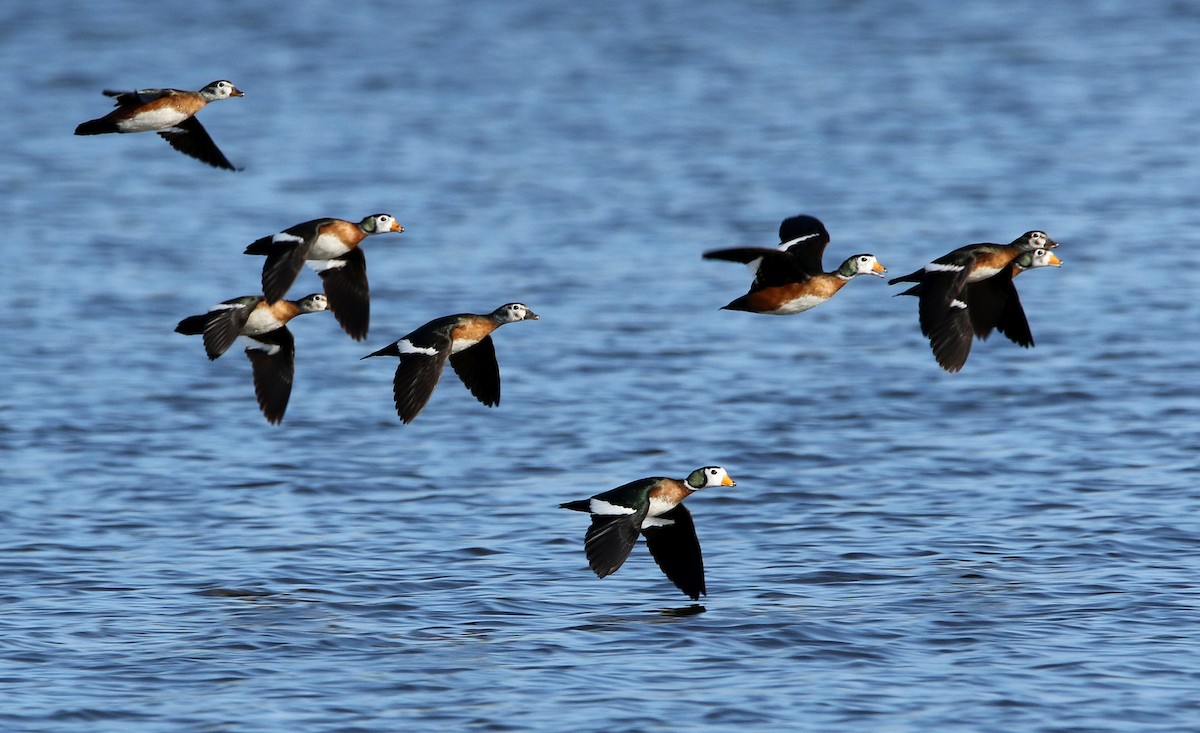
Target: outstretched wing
[
  {"x": 349, "y": 296},
  {"x": 774, "y": 268},
  {"x": 137, "y": 96},
  {"x": 940, "y": 288},
  {"x": 220, "y": 326},
  {"x": 416, "y": 376},
  {"x": 676, "y": 549},
  {"x": 610, "y": 539},
  {"x": 477, "y": 368},
  {"x": 987, "y": 300},
  {"x": 944, "y": 314},
  {"x": 190, "y": 138},
  {"x": 273, "y": 371},
  {"x": 1012, "y": 322},
  {"x": 285, "y": 258},
  {"x": 950, "y": 338}
]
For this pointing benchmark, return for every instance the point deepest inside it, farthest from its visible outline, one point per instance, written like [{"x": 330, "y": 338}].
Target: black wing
[
  {"x": 273, "y": 372},
  {"x": 477, "y": 368},
  {"x": 744, "y": 255},
  {"x": 416, "y": 376},
  {"x": 806, "y": 254},
  {"x": 137, "y": 96},
  {"x": 987, "y": 300},
  {"x": 220, "y": 327},
  {"x": 775, "y": 267},
  {"x": 1012, "y": 322},
  {"x": 939, "y": 288},
  {"x": 190, "y": 138},
  {"x": 944, "y": 315},
  {"x": 610, "y": 539},
  {"x": 285, "y": 259},
  {"x": 950, "y": 339},
  {"x": 677, "y": 551},
  {"x": 349, "y": 296}
]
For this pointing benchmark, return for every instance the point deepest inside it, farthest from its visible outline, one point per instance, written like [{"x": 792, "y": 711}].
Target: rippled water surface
[{"x": 1011, "y": 548}]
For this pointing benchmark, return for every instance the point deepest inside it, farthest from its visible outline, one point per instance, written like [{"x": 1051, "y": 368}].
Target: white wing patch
[
  {"x": 656, "y": 522},
  {"x": 323, "y": 265},
  {"x": 408, "y": 347},
  {"x": 285, "y": 237},
  {"x": 162, "y": 119},
  {"x": 797, "y": 240},
  {"x": 600, "y": 506},
  {"x": 935, "y": 267},
  {"x": 460, "y": 344},
  {"x": 271, "y": 349},
  {"x": 956, "y": 303}
]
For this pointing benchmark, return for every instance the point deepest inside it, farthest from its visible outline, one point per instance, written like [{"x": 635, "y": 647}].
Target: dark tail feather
[
  {"x": 912, "y": 277},
  {"x": 192, "y": 325},
  {"x": 738, "y": 304},
  {"x": 262, "y": 246},
  {"x": 389, "y": 350},
  {"x": 583, "y": 505},
  {"x": 95, "y": 127}
]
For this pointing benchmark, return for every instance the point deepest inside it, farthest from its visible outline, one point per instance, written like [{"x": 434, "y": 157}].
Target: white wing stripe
[
  {"x": 656, "y": 522},
  {"x": 407, "y": 347},
  {"x": 600, "y": 506}
]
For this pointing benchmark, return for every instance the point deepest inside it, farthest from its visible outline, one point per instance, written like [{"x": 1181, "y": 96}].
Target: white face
[
  {"x": 512, "y": 312},
  {"x": 1038, "y": 239},
  {"x": 1043, "y": 258},
  {"x": 384, "y": 223},
  {"x": 715, "y": 476},
  {"x": 868, "y": 265},
  {"x": 316, "y": 302},
  {"x": 221, "y": 89}
]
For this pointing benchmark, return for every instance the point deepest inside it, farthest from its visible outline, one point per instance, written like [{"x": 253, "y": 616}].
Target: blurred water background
[{"x": 1012, "y": 548}]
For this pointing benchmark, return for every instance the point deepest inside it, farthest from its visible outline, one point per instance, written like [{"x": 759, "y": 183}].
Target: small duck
[
  {"x": 170, "y": 113},
  {"x": 464, "y": 339},
  {"x": 979, "y": 307},
  {"x": 941, "y": 283},
  {"x": 790, "y": 279},
  {"x": 272, "y": 349},
  {"x": 652, "y": 507},
  {"x": 331, "y": 248}
]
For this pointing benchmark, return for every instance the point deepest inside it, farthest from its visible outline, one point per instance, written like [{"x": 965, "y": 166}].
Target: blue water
[{"x": 1011, "y": 548}]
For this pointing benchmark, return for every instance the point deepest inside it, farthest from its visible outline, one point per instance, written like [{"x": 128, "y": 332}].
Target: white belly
[
  {"x": 327, "y": 247},
  {"x": 260, "y": 321},
  {"x": 460, "y": 344},
  {"x": 154, "y": 120},
  {"x": 658, "y": 506},
  {"x": 982, "y": 273},
  {"x": 799, "y": 305}
]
